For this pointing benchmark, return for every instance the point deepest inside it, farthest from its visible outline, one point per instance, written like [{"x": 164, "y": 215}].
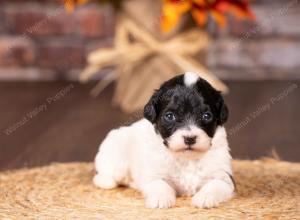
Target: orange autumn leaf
[
  {"x": 241, "y": 14},
  {"x": 70, "y": 4},
  {"x": 171, "y": 13},
  {"x": 200, "y": 17},
  {"x": 201, "y": 9},
  {"x": 219, "y": 18}
]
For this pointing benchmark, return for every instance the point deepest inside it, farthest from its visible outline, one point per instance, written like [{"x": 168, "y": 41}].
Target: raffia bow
[{"x": 143, "y": 62}]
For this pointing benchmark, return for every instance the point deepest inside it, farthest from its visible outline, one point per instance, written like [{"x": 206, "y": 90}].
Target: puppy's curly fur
[{"x": 179, "y": 147}]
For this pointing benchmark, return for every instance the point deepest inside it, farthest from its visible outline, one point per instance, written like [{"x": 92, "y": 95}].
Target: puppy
[{"x": 179, "y": 147}]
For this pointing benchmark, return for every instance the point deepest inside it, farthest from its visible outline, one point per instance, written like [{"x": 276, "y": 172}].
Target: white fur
[
  {"x": 159, "y": 194},
  {"x": 190, "y": 78},
  {"x": 176, "y": 140},
  {"x": 212, "y": 194},
  {"x": 136, "y": 156}
]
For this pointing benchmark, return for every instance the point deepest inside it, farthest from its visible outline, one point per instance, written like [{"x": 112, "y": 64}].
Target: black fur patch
[
  {"x": 187, "y": 104},
  {"x": 233, "y": 181}
]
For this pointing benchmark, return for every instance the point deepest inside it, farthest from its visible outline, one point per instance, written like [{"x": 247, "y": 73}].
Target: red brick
[
  {"x": 50, "y": 20},
  {"x": 2, "y": 23},
  {"x": 271, "y": 20},
  {"x": 90, "y": 21},
  {"x": 255, "y": 74},
  {"x": 31, "y": 1},
  {"x": 281, "y": 53},
  {"x": 16, "y": 51},
  {"x": 61, "y": 55},
  {"x": 2, "y": 27},
  {"x": 26, "y": 74},
  {"x": 280, "y": 19},
  {"x": 244, "y": 54},
  {"x": 93, "y": 45},
  {"x": 37, "y": 20}
]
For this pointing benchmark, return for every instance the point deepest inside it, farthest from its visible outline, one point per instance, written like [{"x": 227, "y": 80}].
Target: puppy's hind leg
[{"x": 111, "y": 161}]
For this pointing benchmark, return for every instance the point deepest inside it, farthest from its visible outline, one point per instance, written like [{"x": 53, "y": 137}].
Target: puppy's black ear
[
  {"x": 151, "y": 108},
  {"x": 223, "y": 111}
]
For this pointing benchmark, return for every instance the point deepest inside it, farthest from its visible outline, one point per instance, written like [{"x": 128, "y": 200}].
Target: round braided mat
[{"x": 266, "y": 189}]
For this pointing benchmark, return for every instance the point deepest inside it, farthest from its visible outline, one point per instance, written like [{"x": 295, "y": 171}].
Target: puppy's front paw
[
  {"x": 160, "y": 201},
  {"x": 212, "y": 194},
  {"x": 159, "y": 195}
]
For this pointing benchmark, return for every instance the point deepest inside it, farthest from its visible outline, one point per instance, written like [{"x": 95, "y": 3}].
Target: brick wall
[
  {"x": 267, "y": 49},
  {"x": 38, "y": 40}
]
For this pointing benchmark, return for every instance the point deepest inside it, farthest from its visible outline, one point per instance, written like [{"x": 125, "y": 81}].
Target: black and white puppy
[{"x": 179, "y": 148}]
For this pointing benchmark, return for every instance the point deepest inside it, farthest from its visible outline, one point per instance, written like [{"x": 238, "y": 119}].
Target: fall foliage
[{"x": 200, "y": 10}]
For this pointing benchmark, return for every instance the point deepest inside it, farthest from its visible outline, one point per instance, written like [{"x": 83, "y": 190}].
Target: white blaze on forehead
[{"x": 190, "y": 78}]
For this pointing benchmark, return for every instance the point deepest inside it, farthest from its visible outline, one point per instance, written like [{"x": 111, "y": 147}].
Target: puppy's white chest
[{"x": 189, "y": 179}]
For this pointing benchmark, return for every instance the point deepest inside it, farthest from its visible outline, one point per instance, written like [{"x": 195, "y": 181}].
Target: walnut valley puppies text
[
  {"x": 30, "y": 115},
  {"x": 260, "y": 110}
]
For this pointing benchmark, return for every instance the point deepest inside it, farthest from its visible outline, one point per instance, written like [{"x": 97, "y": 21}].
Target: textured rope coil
[{"x": 265, "y": 190}]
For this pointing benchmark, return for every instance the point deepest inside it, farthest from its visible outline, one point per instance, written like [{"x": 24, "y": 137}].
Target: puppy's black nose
[{"x": 189, "y": 140}]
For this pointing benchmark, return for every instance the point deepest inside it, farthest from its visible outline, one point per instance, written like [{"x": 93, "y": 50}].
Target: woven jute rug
[{"x": 266, "y": 189}]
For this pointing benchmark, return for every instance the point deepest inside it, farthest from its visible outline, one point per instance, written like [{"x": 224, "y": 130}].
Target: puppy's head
[{"x": 186, "y": 111}]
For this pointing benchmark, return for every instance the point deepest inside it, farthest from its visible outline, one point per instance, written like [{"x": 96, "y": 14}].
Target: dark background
[{"x": 43, "y": 49}]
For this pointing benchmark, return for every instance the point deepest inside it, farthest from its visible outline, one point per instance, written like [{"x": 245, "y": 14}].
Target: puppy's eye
[
  {"x": 169, "y": 117},
  {"x": 207, "y": 117}
]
